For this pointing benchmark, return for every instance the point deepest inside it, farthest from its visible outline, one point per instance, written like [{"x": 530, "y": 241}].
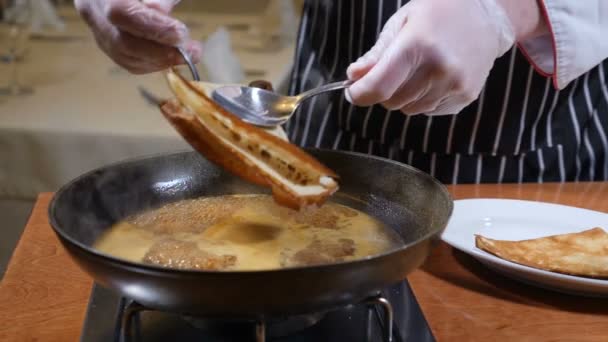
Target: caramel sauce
[{"x": 245, "y": 232}]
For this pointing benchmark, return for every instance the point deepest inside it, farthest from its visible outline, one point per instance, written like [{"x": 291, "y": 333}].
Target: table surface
[
  {"x": 44, "y": 295},
  {"x": 86, "y": 112}
]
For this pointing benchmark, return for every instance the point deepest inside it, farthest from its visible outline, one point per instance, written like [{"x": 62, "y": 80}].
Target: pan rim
[{"x": 193, "y": 272}]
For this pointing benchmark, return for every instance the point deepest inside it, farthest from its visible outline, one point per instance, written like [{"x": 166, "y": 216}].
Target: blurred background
[{"x": 65, "y": 108}]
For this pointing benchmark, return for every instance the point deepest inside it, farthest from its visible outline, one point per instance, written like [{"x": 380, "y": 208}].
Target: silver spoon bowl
[{"x": 266, "y": 108}]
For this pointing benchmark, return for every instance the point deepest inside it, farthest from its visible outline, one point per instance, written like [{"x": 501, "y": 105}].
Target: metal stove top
[{"x": 106, "y": 312}]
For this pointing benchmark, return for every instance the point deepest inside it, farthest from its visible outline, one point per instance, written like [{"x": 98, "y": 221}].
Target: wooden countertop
[{"x": 44, "y": 295}]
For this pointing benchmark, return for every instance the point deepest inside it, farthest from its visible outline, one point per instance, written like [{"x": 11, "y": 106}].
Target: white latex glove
[
  {"x": 138, "y": 35},
  {"x": 433, "y": 56}
]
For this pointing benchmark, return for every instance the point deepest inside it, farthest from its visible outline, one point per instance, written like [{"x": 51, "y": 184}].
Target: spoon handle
[{"x": 324, "y": 88}]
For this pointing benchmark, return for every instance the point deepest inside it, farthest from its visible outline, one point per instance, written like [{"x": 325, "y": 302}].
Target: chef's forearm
[{"x": 526, "y": 18}]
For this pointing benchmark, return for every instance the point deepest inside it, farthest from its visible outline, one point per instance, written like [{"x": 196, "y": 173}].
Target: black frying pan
[{"x": 415, "y": 205}]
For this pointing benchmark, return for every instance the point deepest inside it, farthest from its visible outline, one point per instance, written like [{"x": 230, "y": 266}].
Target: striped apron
[{"x": 520, "y": 129}]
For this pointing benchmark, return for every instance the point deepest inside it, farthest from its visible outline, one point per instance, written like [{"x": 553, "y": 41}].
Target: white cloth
[
  {"x": 44, "y": 16},
  {"x": 576, "y": 41},
  {"x": 220, "y": 60}
]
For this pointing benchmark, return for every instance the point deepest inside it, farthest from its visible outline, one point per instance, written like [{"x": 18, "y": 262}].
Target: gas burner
[
  {"x": 392, "y": 315},
  {"x": 275, "y": 327}
]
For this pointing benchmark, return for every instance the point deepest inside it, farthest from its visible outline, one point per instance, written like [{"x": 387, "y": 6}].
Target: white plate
[{"x": 518, "y": 220}]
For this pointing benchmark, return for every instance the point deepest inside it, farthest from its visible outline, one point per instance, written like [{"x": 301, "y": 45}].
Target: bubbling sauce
[{"x": 245, "y": 232}]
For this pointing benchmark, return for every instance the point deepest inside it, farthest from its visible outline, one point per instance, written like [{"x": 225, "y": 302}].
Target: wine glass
[{"x": 15, "y": 36}]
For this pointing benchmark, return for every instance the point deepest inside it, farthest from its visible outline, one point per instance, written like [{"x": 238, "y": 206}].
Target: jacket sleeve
[{"x": 577, "y": 40}]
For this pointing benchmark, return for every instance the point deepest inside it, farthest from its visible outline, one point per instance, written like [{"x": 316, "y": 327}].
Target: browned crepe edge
[{"x": 499, "y": 246}]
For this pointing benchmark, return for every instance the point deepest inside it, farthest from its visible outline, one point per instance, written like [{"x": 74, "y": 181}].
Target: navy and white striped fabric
[{"x": 519, "y": 130}]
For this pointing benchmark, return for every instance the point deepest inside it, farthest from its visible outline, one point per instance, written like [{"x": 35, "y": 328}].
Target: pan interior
[
  {"x": 247, "y": 233},
  {"x": 409, "y": 202}
]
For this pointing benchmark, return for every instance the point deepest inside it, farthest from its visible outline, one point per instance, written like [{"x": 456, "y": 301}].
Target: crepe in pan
[{"x": 296, "y": 179}]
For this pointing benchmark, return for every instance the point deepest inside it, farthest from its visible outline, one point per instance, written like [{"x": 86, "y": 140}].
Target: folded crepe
[
  {"x": 582, "y": 254},
  {"x": 297, "y": 180}
]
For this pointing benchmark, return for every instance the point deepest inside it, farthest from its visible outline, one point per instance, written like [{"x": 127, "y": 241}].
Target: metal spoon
[
  {"x": 257, "y": 106},
  {"x": 266, "y": 108}
]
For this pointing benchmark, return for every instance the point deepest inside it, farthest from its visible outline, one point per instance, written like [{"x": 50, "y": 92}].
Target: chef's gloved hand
[
  {"x": 138, "y": 35},
  {"x": 432, "y": 56}
]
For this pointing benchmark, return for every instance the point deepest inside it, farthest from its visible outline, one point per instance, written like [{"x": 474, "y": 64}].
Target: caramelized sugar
[{"x": 245, "y": 232}]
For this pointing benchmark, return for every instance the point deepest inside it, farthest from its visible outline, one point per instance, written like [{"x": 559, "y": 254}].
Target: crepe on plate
[
  {"x": 297, "y": 180},
  {"x": 582, "y": 254}
]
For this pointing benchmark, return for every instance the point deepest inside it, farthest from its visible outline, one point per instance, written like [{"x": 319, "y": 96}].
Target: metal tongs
[
  {"x": 156, "y": 100},
  {"x": 189, "y": 63}
]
